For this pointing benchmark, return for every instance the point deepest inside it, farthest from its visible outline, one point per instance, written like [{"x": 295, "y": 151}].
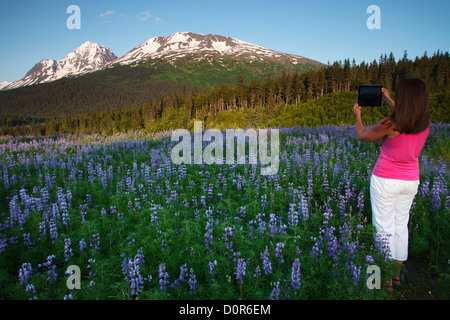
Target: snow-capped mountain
[
  {"x": 3, "y": 84},
  {"x": 87, "y": 58},
  {"x": 181, "y": 44},
  {"x": 186, "y": 53}
]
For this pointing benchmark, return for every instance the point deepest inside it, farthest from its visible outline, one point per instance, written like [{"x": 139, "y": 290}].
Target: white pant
[{"x": 391, "y": 201}]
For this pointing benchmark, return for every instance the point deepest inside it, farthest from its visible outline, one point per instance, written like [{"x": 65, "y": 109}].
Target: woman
[{"x": 395, "y": 177}]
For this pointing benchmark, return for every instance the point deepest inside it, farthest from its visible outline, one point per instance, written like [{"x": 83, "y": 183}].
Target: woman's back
[{"x": 399, "y": 158}]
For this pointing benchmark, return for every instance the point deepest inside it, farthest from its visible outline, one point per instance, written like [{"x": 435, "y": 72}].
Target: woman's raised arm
[
  {"x": 373, "y": 133},
  {"x": 387, "y": 99}
]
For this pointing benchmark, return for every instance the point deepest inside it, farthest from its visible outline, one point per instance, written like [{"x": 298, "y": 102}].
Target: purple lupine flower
[
  {"x": 14, "y": 210},
  {"x": 134, "y": 277},
  {"x": 382, "y": 245},
  {"x": 360, "y": 203},
  {"x": 316, "y": 248},
  {"x": 342, "y": 203},
  {"x": 55, "y": 212},
  {"x": 32, "y": 289},
  {"x": 273, "y": 224},
  {"x": 264, "y": 203},
  {"x": 328, "y": 212},
  {"x": 163, "y": 275},
  {"x": 68, "y": 197},
  {"x": 208, "y": 234},
  {"x": 154, "y": 219},
  {"x": 447, "y": 203},
  {"x": 276, "y": 291},
  {"x": 3, "y": 245},
  {"x": 82, "y": 245},
  {"x": 304, "y": 207},
  {"x": 42, "y": 229},
  {"x": 211, "y": 267},
  {"x": 369, "y": 259},
  {"x": 241, "y": 269},
  {"x": 333, "y": 244},
  {"x": 91, "y": 274},
  {"x": 359, "y": 227},
  {"x": 192, "y": 282},
  {"x": 5, "y": 177},
  {"x": 95, "y": 244},
  {"x": 325, "y": 184},
  {"x": 181, "y": 278},
  {"x": 261, "y": 223},
  {"x": 27, "y": 241},
  {"x": 124, "y": 264},
  {"x": 63, "y": 207},
  {"x": 310, "y": 182},
  {"x": 228, "y": 243},
  {"x": 51, "y": 269},
  {"x": 350, "y": 248},
  {"x": 68, "y": 296},
  {"x": 267, "y": 264},
  {"x": 25, "y": 273},
  {"x": 257, "y": 272},
  {"x": 345, "y": 231},
  {"x": 436, "y": 191},
  {"x": 356, "y": 273},
  {"x": 53, "y": 230},
  {"x": 295, "y": 274},
  {"x": 83, "y": 216},
  {"x": 424, "y": 187},
  {"x": 278, "y": 251},
  {"x": 202, "y": 201},
  {"x": 67, "y": 250},
  {"x": 292, "y": 216}
]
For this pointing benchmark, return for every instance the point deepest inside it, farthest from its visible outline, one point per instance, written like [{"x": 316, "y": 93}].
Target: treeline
[
  {"x": 313, "y": 98},
  {"x": 75, "y": 96}
]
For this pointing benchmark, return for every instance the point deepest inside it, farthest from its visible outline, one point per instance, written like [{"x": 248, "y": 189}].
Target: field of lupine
[{"x": 140, "y": 227}]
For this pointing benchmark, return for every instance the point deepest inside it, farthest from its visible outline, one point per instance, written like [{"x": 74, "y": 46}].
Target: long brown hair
[{"x": 412, "y": 112}]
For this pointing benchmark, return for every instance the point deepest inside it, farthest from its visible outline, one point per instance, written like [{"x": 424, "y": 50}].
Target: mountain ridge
[
  {"x": 180, "y": 44},
  {"x": 181, "y": 50}
]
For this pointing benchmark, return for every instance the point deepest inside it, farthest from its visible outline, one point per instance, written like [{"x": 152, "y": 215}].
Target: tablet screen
[{"x": 369, "y": 95}]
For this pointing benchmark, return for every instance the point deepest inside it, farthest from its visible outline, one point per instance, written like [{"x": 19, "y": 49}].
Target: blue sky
[{"x": 324, "y": 30}]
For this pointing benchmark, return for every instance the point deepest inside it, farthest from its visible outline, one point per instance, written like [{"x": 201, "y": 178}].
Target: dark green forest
[{"x": 313, "y": 98}]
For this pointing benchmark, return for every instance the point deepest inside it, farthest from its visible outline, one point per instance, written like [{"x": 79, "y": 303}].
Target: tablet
[{"x": 369, "y": 95}]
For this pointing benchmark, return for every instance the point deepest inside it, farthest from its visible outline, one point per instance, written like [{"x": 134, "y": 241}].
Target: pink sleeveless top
[{"x": 399, "y": 158}]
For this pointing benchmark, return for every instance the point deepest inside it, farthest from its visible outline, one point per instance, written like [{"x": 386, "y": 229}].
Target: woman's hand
[{"x": 356, "y": 110}]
